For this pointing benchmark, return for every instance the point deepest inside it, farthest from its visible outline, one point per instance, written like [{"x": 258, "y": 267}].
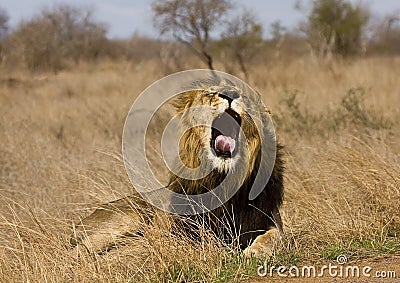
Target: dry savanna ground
[{"x": 60, "y": 155}]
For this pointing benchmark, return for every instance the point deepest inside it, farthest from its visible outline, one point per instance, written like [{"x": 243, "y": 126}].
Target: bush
[
  {"x": 336, "y": 27},
  {"x": 293, "y": 118},
  {"x": 57, "y": 36},
  {"x": 3, "y": 23},
  {"x": 3, "y": 31},
  {"x": 355, "y": 112},
  {"x": 351, "y": 114}
]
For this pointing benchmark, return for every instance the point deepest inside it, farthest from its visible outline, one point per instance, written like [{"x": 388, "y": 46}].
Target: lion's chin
[{"x": 222, "y": 164}]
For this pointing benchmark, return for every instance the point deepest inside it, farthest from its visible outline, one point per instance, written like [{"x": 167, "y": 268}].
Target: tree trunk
[
  {"x": 209, "y": 60},
  {"x": 242, "y": 66}
]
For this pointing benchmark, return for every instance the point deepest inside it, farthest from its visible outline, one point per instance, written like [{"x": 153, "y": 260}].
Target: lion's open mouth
[{"x": 224, "y": 134}]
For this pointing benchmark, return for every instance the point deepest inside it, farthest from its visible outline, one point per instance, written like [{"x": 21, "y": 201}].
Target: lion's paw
[{"x": 264, "y": 245}]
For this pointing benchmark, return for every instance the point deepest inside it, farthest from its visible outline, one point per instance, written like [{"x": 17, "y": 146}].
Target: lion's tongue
[{"x": 225, "y": 144}]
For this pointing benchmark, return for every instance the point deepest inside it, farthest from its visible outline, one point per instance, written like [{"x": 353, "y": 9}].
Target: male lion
[{"x": 227, "y": 137}]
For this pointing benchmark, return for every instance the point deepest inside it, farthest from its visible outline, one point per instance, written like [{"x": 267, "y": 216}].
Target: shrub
[{"x": 56, "y": 36}]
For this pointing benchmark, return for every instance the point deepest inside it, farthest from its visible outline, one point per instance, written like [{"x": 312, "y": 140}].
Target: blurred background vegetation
[{"x": 198, "y": 33}]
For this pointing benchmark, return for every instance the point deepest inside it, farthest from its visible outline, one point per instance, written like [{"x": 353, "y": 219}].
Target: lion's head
[{"x": 222, "y": 128}]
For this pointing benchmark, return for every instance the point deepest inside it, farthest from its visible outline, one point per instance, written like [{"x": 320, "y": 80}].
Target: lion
[{"x": 227, "y": 139}]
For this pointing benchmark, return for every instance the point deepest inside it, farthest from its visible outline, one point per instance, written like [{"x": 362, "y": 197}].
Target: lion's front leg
[{"x": 264, "y": 245}]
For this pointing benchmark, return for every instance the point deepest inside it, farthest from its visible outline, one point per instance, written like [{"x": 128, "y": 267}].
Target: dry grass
[{"x": 60, "y": 139}]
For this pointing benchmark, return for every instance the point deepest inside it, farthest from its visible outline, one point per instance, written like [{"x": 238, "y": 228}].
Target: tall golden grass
[{"x": 60, "y": 140}]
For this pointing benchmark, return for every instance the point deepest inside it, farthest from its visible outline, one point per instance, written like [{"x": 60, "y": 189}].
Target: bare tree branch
[{"x": 191, "y": 22}]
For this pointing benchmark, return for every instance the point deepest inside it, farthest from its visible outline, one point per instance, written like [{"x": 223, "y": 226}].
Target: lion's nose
[{"x": 229, "y": 95}]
